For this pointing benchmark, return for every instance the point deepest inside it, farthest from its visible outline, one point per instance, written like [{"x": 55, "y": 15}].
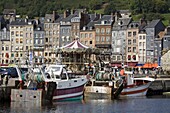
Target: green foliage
[
  {"x": 95, "y": 4},
  {"x": 110, "y": 8},
  {"x": 36, "y": 8},
  {"x": 149, "y": 6}
]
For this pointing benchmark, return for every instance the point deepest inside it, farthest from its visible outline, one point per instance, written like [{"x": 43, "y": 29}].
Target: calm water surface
[{"x": 122, "y": 105}]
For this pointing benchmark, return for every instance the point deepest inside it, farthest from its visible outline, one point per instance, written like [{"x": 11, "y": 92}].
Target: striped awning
[{"x": 75, "y": 45}]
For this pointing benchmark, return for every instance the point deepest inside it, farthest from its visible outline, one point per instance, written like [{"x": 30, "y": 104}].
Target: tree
[
  {"x": 94, "y": 4},
  {"x": 110, "y": 8}
]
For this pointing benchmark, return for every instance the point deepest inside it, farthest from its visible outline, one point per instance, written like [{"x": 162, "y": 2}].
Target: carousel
[{"x": 77, "y": 57}]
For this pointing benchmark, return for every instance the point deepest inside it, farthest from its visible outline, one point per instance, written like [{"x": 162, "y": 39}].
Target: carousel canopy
[
  {"x": 78, "y": 47},
  {"x": 75, "y": 45}
]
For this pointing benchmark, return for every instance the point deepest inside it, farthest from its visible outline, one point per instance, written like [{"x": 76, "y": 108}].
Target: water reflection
[{"x": 156, "y": 104}]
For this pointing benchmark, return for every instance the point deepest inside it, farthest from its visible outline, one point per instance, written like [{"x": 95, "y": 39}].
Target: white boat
[
  {"x": 68, "y": 87},
  {"x": 135, "y": 86}
]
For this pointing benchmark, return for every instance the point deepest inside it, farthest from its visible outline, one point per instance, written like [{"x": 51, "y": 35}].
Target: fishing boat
[
  {"x": 135, "y": 86},
  {"x": 104, "y": 85},
  {"x": 68, "y": 86}
]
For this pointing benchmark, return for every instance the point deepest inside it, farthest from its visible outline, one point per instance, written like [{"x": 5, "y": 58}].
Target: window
[
  {"x": 86, "y": 42},
  {"x": 140, "y": 43},
  {"x": 16, "y": 55},
  {"x": 3, "y": 48},
  {"x": 21, "y": 33},
  {"x": 46, "y": 39},
  {"x": 134, "y": 41},
  {"x": 134, "y": 49},
  {"x": 113, "y": 57},
  {"x": 17, "y": 33},
  {"x": 86, "y": 35},
  {"x": 129, "y": 34},
  {"x": 27, "y": 48},
  {"x": 118, "y": 58},
  {"x": 97, "y": 31},
  {"x": 12, "y": 54},
  {"x": 26, "y": 34},
  {"x": 129, "y": 49},
  {"x": 129, "y": 57},
  {"x": 36, "y": 41},
  {"x": 21, "y": 40},
  {"x": 129, "y": 42},
  {"x": 102, "y": 30},
  {"x": 134, "y": 33},
  {"x": 45, "y": 53},
  {"x": 108, "y": 31},
  {"x": 108, "y": 39},
  {"x": 27, "y": 41},
  {"x": 12, "y": 33},
  {"x": 144, "y": 37},
  {"x": 90, "y": 35},
  {"x": 90, "y": 42},
  {"x": 97, "y": 39},
  {"x": 102, "y": 38},
  {"x": 140, "y": 51},
  {"x": 140, "y": 37},
  {"x": 17, "y": 40},
  {"x": 82, "y": 35},
  {"x": 134, "y": 57},
  {"x": 49, "y": 54},
  {"x": 7, "y": 48},
  {"x": 31, "y": 41}
]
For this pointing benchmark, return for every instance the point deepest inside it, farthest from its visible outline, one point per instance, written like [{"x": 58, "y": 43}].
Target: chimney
[
  {"x": 100, "y": 16},
  {"x": 111, "y": 16},
  {"x": 65, "y": 15},
  {"x": 72, "y": 11},
  {"x": 80, "y": 14},
  {"x": 116, "y": 17},
  {"x": 54, "y": 16}
]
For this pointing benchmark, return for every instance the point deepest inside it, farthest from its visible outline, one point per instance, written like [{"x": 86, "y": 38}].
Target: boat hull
[
  {"x": 136, "y": 90},
  {"x": 97, "y": 92},
  {"x": 66, "y": 94}
]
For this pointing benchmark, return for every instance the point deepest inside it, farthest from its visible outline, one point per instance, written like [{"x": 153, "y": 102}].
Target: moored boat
[
  {"x": 102, "y": 86},
  {"x": 135, "y": 86},
  {"x": 68, "y": 87}
]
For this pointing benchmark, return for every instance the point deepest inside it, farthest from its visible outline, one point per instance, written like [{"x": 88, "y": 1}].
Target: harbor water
[{"x": 122, "y": 105}]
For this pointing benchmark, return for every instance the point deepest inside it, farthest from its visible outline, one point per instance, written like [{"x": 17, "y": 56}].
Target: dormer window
[{"x": 38, "y": 28}]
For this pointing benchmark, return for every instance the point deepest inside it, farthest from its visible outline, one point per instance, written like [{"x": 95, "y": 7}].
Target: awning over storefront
[
  {"x": 131, "y": 64},
  {"x": 150, "y": 65},
  {"x": 139, "y": 65},
  {"x": 116, "y": 65}
]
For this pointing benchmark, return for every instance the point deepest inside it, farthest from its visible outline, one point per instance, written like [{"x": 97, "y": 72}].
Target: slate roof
[
  {"x": 41, "y": 26},
  {"x": 121, "y": 22},
  {"x": 1, "y": 18},
  {"x": 9, "y": 11},
  {"x": 61, "y": 16},
  {"x": 20, "y": 22},
  {"x": 106, "y": 18},
  {"x": 153, "y": 23}
]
